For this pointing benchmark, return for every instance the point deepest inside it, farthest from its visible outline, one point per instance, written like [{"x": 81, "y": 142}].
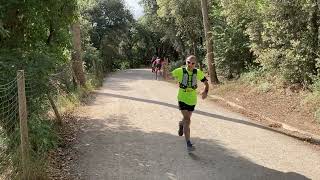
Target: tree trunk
[
  {"x": 200, "y": 65},
  {"x": 209, "y": 43},
  {"x": 315, "y": 36},
  {"x": 51, "y": 31},
  {"x": 194, "y": 47},
  {"x": 55, "y": 110},
  {"x": 76, "y": 54}
]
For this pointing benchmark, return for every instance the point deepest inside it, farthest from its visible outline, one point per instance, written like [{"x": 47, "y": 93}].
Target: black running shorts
[{"x": 184, "y": 106}]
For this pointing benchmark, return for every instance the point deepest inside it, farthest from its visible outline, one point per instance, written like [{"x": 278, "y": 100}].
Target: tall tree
[
  {"x": 77, "y": 55},
  {"x": 182, "y": 19},
  {"x": 111, "y": 22},
  {"x": 166, "y": 41},
  {"x": 209, "y": 43},
  {"x": 315, "y": 23}
]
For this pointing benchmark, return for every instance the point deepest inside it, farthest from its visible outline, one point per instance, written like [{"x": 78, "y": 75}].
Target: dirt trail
[{"x": 131, "y": 134}]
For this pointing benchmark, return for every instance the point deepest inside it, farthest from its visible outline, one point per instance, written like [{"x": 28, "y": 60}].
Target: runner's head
[{"x": 191, "y": 62}]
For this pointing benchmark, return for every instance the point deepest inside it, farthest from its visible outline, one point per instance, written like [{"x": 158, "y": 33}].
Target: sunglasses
[{"x": 189, "y": 62}]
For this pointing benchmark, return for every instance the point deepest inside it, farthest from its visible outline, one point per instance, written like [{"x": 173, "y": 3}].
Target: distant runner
[{"x": 157, "y": 65}]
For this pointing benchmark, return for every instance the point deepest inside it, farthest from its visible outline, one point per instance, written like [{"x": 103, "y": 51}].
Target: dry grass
[{"x": 299, "y": 109}]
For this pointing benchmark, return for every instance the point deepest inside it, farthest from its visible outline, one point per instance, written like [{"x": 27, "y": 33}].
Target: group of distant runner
[{"x": 156, "y": 65}]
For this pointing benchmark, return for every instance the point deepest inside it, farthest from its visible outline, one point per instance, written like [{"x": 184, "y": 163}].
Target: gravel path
[{"x": 131, "y": 134}]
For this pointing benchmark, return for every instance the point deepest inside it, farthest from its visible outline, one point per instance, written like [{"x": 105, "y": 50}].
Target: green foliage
[
  {"x": 316, "y": 85},
  {"x": 279, "y": 36},
  {"x": 282, "y": 41},
  {"x": 264, "y": 87},
  {"x": 186, "y": 16},
  {"x": 66, "y": 102},
  {"x": 252, "y": 77},
  {"x": 31, "y": 23},
  {"x": 176, "y": 64},
  {"x": 92, "y": 59},
  {"x": 111, "y": 19},
  {"x": 181, "y": 22},
  {"x": 111, "y": 31},
  {"x": 93, "y": 81},
  {"x": 261, "y": 80},
  {"x": 34, "y": 37},
  {"x": 124, "y": 65},
  {"x": 232, "y": 44},
  {"x": 294, "y": 68},
  {"x": 312, "y": 99},
  {"x": 176, "y": 28},
  {"x": 42, "y": 135}
]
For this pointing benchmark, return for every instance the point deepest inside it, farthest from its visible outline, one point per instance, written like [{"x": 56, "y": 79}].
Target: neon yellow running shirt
[{"x": 189, "y": 95}]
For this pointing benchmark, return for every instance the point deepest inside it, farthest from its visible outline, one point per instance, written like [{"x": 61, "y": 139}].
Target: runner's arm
[{"x": 204, "y": 93}]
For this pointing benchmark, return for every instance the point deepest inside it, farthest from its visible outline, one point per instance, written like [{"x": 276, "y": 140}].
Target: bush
[
  {"x": 42, "y": 137},
  {"x": 252, "y": 77},
  {"x": 120, "y": 64},
  {"x": 295, "y": 68},
  {"x": 91, "y": 57},
  {"x": 265, "y": 87},
  {"x": 67, "y": 102},
  {"x": 270, "y": 59},
  {"x": 292, "y": 64},
  {"x": 42, "y": 131},
  {"x": 316, "y": 85},
  {"x": 315, "y": 98},
  {"x": 124, "y": 65},
  {"x": 312, "y": 100},
  {"x": 94, "y": 81}
]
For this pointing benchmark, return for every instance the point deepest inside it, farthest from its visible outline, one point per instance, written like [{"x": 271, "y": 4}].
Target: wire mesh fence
[
  {"x": 9, "y": 122},
  {"x": 15, "y": 97},
  {"x": 40, "y": 92}
]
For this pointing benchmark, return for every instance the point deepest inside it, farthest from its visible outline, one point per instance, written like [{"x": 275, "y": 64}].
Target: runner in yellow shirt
[{"x": 187, "y": 95}]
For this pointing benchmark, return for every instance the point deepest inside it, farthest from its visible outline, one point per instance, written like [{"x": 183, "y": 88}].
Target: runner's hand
[{"x": 204, "y": 94}]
